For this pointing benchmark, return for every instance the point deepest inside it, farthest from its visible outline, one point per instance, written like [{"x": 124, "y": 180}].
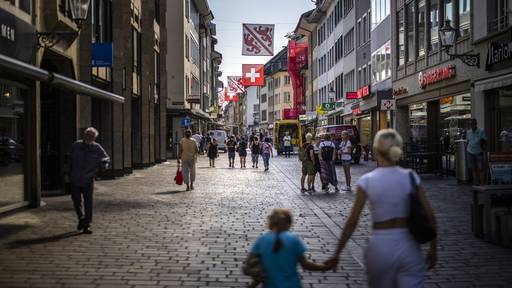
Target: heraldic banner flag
[
  {"x": 253, "y": 74},
  {"x": 230, "y": 95},
  {"x": 235, "y": 84},
  {"x": 258, "y": 40}
]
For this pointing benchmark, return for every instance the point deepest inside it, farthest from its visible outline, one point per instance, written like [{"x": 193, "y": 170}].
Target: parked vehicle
[
  {"x": 335, "y": 132},
  {"x": 295, "y": 130},
  {"x": 220, "y": 136}
]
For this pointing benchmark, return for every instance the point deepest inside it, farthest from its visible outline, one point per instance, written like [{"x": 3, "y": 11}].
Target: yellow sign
[
  {"x": 446, "y": 100},
  {"x": 319, "y": 110}
]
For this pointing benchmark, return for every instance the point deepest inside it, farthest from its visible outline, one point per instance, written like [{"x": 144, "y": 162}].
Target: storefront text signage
[
  {"x": 17, "y": 37},
  {"x": 102, "y": 54},
  {"x": 363, "y": 91},
  {"x": 498, "y": 52},
  {"x": 400, "y": 91},
  {"x": 7, "y": 32},
  {"x": 434, "y": 76},
  {"x": 351, "y": 95},
  {"x": 387, "y": 105}
]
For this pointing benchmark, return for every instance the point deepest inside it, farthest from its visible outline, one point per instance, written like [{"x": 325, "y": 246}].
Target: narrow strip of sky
[{"x": 231, "y": 14}]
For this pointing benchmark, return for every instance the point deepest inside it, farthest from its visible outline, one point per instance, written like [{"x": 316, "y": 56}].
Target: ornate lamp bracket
[{"x": 50, "y": 39}]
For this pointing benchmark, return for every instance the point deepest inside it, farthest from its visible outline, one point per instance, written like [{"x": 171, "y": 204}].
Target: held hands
[{"x": 331, "y": 263}]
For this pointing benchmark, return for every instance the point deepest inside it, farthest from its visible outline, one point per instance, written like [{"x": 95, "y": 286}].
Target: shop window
[
  {"x": 504, "y": 119},
  {"x": 455, "y": 114},
  {"x": 422, "y": 14},
  {"x": 418, "y": 123},
  {"x": 12, "y": 143}
]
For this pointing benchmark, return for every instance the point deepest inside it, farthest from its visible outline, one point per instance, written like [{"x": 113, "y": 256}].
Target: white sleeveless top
[{"x": 388, "y": 191}]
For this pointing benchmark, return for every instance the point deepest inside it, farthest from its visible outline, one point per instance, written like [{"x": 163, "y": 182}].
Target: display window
[
  {"x": 455, "y": 115},
  {"x": 418, "y": 123}
]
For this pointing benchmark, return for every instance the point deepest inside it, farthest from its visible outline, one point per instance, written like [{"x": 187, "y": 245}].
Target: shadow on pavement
[
  {"x": 10, "y": 229},
  {"x": 170, "y": 192},
  {"x": 42, "y": 240}
]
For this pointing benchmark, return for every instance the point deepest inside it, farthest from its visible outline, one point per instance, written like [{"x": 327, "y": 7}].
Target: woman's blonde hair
[
  {"x": 280, "y": 220},
  {"x": 388, "y": 144}
]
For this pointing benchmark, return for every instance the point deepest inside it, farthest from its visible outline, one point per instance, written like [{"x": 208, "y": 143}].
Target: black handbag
[{"x": 420, "y": 226}]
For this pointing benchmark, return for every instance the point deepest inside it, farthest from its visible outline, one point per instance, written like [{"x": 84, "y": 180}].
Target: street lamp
[
  {"x": 79, "y": 10},
  {"x": 448, "y": 37}
]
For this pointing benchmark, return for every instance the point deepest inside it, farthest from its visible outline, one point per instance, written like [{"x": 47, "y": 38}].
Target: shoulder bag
[{"x": 420, "y": 226}]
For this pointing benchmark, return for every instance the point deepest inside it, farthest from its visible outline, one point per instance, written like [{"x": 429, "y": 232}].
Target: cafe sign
[
  {"x": 498, "y": 52},
  {"x": 428, "y": 78}
]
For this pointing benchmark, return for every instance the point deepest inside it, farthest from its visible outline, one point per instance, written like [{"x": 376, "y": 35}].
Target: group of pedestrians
[
  {"x": 393, "y": 256},
  {"x": 320, "y": 158}
]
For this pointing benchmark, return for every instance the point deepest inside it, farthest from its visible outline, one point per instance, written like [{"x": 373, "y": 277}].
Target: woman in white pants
[{"x": 393, "y": 257}]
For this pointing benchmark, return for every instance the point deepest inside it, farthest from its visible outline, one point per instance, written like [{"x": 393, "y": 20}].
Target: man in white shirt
[
  {"x": 287, "y": 144},
  {"x": 346, "y": 157}
]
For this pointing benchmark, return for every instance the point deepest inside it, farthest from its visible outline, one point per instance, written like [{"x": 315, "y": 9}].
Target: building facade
[
  {"x": 53, "y": 87},
  {"x": 192, "y": 68}
]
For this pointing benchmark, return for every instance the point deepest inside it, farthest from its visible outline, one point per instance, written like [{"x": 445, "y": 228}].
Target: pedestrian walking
[
  {"x": 477, "y": 142},
  {"x": 306, "y": 156},
  {"x": 231, "y": 145},
  {"x": 267, "y": 151},
  {"x": 86, "y": 158},
  {"x": 255, "y": 151},
  {"x": 242, "y": 151},
  {"x": 188, "y": 157},
  {"x": 287, "y": 144},
  {"x": 327, "y": 156},
  {"x": 213, "y": 152},
  {"x": 316, "y": 151},
  {"x": 393, "y": 257},
  {"x": 279, "y": 251},
  {"x": 208, "y": 141},
  {"x": 345, "y": 150}
]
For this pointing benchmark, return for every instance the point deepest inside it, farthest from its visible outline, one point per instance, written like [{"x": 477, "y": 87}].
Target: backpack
[
  {"x": 266, "y": 147},
  {"x": 327, "y": 152}
]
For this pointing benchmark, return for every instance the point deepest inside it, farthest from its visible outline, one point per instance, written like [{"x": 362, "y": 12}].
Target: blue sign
[
  {"x": 185, "y": 122},
  {"x": 102, "y": 54}
]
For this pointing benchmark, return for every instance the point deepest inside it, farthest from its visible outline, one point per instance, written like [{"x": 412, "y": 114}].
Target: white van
[{"x": 220, "y": 136}]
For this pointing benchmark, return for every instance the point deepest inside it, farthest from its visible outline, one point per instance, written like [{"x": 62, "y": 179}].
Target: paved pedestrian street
[{"x": 148, "y": 232}]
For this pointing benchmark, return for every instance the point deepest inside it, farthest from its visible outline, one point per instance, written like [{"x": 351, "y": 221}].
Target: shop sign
[
  {"x": 328, "y": 106},
  {"x": 446, "y": 100},
  {"x": 498, "y": 52},
  {"x": 194, "y": 99},
  {"x": 356, "y": 109},
  {"x": 303, "y": 117},
  {"x": 290, "y": 113},
  {"x": 185, "y": 122},
  {"x": 437, "y": 75},
  {"x": 102, "y": 54},
  {"x": 363, "y": 92},
  {"x": 351, "y": 95},
  {"x": 387, "y": 105},
  {"x": 17, "y": 37},
  {"x": 400, "y": 91}
]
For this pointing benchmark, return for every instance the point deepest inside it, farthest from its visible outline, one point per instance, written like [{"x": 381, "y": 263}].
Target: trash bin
[{"x": 461, "y": 167}]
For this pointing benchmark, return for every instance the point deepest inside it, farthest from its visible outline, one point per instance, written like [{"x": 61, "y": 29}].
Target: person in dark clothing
[
  {"x": 255, "y": 152},
  {"x": 208, "y": 141},
  {"x": 242, "y": 151},
  {"x": 213, "y": 152},
  {"x": 231, "y": 145},
  {"x": 85, "y": 160}
]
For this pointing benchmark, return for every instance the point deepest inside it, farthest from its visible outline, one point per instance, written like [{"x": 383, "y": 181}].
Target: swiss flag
[
  {"x": 253, "y": 74},
  {"x": 230, "y": 95}
]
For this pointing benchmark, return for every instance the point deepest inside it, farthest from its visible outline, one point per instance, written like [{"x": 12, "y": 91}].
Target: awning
[{"x": 38, "y": 74}]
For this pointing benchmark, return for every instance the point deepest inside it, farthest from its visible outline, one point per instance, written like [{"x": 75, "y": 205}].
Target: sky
[{"x": 229, "y": 16}]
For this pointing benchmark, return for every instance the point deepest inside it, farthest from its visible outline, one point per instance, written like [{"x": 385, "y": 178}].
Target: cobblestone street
[{"x": 148, "y": 232}]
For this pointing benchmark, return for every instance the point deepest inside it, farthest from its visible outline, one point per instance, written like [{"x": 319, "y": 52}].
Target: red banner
[{"x": 297, "y": 59}]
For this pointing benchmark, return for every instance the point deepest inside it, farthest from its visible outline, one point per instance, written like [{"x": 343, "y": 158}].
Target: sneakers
[
  {"x": 87, "y": 230},
  {"x": 80, "y": 225}
]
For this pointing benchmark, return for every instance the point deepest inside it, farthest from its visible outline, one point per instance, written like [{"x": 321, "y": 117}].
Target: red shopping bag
[{"x": 179, "y": 177}]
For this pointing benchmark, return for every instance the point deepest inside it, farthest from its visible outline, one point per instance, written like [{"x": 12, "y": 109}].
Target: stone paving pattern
[{"x": 148, "y": 232}]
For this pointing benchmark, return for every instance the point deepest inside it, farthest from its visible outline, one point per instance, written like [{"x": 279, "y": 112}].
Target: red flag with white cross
[
  {"x": 230, "y": 95},
  {"x": 253, "y": 74}
]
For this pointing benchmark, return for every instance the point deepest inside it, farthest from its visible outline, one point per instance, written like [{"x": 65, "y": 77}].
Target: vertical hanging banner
[
  {"x": 297, "y": 60},
  {"x": 258, "y": 40},
  {"x": 253, "y": 74},
  {"x": 235, "y": 84}
]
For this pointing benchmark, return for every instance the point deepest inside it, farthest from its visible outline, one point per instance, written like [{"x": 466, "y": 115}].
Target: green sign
[{"x": 328, "y": 106}]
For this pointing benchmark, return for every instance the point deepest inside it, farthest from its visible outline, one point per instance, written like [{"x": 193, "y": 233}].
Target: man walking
[
  {"x": 188, "y": 157},
  {"x": 477, "y": 141},
  {"x": 86, "y": 157},
  {"x": 287, "y": 144}
]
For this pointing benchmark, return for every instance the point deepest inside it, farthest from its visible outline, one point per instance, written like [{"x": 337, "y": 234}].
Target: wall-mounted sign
[
  {"x": 387, "y": 105},
  {"x": 446, "y": 100},
  {"x": 400, "y": 91},
  {"x": 17, "y": 37},
  {"x": 356, "y": 110},
  {"x": 363, "y": 91},
  {"x": 102, "y": 54},
  {"x": 185, "y": 122},
  {"x": 194, "y": 99},
  {"x": 328, "y": 106},
  {"x": 437, "y": 75},
  {"x": 351, "y": 95},
  {"x": 498, "y": 52}
]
